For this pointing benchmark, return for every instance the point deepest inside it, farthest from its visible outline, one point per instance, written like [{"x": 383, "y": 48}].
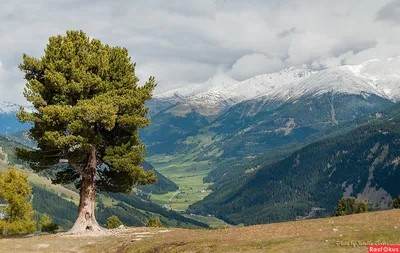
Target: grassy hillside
[
  {"x": 339, "y": 234},
  {"x": 61, "y": 203}
]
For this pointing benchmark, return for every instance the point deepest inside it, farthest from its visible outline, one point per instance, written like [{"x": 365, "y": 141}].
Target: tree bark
[{"x": 86, "y": 220}]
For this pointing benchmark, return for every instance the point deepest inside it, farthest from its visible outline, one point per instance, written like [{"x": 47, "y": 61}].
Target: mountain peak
[
  {"x": 9, "y": 108},
  {"x": 219, "y": 80}
]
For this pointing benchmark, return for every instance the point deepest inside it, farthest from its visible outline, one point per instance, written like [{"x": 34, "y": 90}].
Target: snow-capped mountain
[
  {"x": 381, "y": 78},
  {"x": 8, "y": 121},
  {"x": 259, "y": 85},
  {"x": 219, "y": 82},
  {"x": 8, "y": 108},
  {"x": 11, "y": 108}
]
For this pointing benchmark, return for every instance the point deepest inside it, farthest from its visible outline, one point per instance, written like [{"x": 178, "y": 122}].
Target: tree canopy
[{"x": 15, "y": 190}]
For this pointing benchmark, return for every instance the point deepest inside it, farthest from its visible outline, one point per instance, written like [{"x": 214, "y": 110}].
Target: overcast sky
[{"x": 182, "y": 42}]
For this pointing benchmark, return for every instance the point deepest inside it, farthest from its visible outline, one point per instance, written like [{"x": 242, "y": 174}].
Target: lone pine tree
[{"x": 89, "y": 108}]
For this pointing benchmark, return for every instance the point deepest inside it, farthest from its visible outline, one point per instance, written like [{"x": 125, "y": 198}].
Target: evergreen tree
[
  {"x": 362, "y": 207},
  {"x": 154, "y": 222},
  {"x": 89, "y": 109},
  {"x": 352, "y": 205},
  {"x": 396, "y": 203},
  {"x": 113, "y": 222},
  {"x": 342, "y": 207},
  {"x": 15, "y": 190}
]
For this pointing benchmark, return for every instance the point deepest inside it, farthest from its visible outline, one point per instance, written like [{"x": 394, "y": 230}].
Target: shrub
[
  {"x": 396, "y": 203},
  {"x": 362, "y": 207},
  {"x": 47, "y": 224},
  {"x": 113, "y": 222},
  {"x": 154, "y": 222}
]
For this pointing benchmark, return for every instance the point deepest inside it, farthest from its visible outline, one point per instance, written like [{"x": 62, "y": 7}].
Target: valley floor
[{"x": 337, "y": 234}]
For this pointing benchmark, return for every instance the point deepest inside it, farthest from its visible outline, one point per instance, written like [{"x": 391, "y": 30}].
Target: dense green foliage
[
  {"x": 113, "y": 222},
  {"x": 350, "y": 205},
  {"x": 16, "y": 192},
  {"x": 89, "y": 108}
]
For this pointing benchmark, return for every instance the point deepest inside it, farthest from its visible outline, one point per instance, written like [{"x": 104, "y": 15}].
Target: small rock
[
  {"x": 320, "y": 230},
  {"x": 356, "y": 230},
  {"x": 341, "y": 235},
  {"x": 121, "y": 227},
  {"x": 326, "y": 241},
  {"x": 164, "y": 231},
  {"x": 143, "y": 236},
  {"x": 41, "y": 246},
  {"x": 395, "y": 227},
  {"x": 143, "y": 233},
  {"x": 136, "y": 239},
  {"x": 335, "y": 229}
]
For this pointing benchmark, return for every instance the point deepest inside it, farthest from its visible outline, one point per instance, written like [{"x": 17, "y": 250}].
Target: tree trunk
[{"x": 86, "y": 220}]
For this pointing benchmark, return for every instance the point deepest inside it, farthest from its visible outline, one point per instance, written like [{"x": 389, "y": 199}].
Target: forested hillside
[{"x": 362, "y": 163}]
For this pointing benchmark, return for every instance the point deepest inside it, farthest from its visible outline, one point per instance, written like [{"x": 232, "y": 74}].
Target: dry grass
[{"x": 320, "y": 235}]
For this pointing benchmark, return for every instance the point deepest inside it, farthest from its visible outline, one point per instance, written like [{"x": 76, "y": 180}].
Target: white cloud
[
  {"x": 3, "y": 89},
  {"x": 306, "y": 47},
  {"x": 254, "y": 64},
  {"x": 187, "y": 41}
]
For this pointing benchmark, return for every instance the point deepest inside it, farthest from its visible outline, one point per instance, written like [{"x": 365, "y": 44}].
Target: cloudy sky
[{"x": 183, "y": 42}]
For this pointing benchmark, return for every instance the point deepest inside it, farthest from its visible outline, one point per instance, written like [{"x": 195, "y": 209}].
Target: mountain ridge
[{"x": 376, "y": 77}]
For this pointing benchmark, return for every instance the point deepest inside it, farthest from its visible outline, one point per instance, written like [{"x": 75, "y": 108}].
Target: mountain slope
[
  {"x": 8, "y": 122},
  {"x": 163, "y": 184},
  {"x": 248, "y": 89},
  {"x": 219, "y": 81},
  {"x": 363, "y": 163}
]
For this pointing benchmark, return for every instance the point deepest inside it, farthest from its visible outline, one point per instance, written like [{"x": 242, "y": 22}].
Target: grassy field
[
  {"x": 338, "y": 234},
  {"x": 188, "y": 175},
  {"x": 213, "y": 222}
]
